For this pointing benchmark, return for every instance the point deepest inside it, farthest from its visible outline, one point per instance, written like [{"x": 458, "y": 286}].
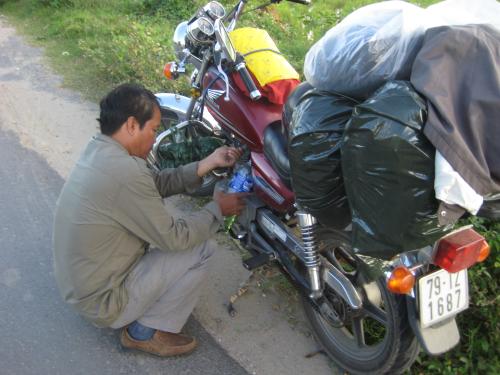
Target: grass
[{"x": 97, "y": 44}]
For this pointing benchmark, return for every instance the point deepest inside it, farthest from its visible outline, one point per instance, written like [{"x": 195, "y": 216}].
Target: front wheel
[
  {"x": 375, "y": 340},
  {"x": 173, "y": 130}
]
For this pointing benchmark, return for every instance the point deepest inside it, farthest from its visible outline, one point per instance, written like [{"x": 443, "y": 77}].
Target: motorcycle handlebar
[
  {"x": 304, "y": 2},
  {"x": 247, "y": 79}
]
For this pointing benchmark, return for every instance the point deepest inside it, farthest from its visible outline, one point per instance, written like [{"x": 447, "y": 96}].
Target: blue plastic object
[{"x": 241, "y": 182}]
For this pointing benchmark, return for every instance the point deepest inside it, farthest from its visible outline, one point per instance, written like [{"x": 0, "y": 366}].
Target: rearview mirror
[{"x": 224, "y": 41}]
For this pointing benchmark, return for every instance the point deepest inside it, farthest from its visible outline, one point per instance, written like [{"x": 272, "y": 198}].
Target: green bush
[
  {"x": 172, "y": 9},
  {"x": 56, "y": 3},
  {"x": 138, "y": 55}
]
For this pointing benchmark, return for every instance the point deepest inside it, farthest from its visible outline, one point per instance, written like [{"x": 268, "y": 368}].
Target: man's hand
[
  {"x": 230, "y": 203},
  {"x": 222, "y": 157}
]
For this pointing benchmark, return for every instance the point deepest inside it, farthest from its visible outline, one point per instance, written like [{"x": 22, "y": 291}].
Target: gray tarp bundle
[
  {"x": 388, "y": 169},
  {"x": 458, "y": 71}
]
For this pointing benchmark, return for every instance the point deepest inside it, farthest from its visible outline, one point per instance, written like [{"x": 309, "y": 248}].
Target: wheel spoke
[
  {"x": 375, "y": 312},
  {"x": 359, "y": 333}
]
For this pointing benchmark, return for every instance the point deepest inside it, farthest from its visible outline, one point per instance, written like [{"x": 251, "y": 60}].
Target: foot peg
[
  {"x": 237, "y": 232},
  {"x": 256, "y": 261}
]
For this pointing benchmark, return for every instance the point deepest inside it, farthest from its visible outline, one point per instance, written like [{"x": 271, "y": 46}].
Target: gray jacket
[
  {"x": 458, "y": 71},
  {"x": 109, "y": 210}
]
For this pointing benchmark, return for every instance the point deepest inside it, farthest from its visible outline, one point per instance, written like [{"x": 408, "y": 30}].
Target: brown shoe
[{"x": 163, "y": 344}]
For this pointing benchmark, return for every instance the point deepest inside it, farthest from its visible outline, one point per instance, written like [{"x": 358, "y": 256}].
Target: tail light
[{"x": 460, "y": 250}]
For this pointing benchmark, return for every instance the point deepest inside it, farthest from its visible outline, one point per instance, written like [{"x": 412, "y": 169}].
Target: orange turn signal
[
  {"x": 168, "y": 71},
  {"x": 401, "y": 280},
  {"x": 484, "y": 252}
]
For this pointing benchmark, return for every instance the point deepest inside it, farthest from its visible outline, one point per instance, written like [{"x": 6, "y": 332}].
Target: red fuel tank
[{"x": 246, "y": 118}]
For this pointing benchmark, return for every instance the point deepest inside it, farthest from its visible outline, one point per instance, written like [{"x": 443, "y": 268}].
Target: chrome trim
[
  {"x": 264, "y": 185},
  {"x": 254, "y": 95},
  {"x": 275, "y": 229},
  {"x": 179, "y": 39},
  {"x": 213, "y": 95},
  {"x": 196, "y": 32},
  {"x": 236, "y": 16},
  {"x": 307, "y": 224},
  {"x": 305, "y": 219},
  {"x": 222, "y": 37},
  {"x": 211, "y": 8},
  {"x": 179, "y": 105},
  {"x": 341, "y": 285}
]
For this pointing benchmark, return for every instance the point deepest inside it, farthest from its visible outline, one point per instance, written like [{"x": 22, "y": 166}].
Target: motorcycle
[{"x": 366, "y": 325}]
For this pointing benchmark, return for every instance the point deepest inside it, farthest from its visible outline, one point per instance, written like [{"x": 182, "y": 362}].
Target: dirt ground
[{"x": 268, "y": 334}]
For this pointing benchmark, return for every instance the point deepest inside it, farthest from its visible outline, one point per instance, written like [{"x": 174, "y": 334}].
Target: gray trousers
[{"x": 164, "y": 286}]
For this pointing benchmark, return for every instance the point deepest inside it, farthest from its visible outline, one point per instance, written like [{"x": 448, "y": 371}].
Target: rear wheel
[
  {"x": 171, "y": 130},
  {"x": 376, "y": 339}
]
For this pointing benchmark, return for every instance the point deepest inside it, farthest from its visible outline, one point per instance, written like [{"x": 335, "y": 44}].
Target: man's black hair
[{"x": 124, "y": 101}]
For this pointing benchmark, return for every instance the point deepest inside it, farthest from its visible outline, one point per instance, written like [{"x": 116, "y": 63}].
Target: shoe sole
[
  {"x": 139, "y": 351},
  {"x": 129, "y": 349}
]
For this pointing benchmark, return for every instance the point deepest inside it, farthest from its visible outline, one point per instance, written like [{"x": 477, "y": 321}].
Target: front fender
[{"x": 179, "y": 105}]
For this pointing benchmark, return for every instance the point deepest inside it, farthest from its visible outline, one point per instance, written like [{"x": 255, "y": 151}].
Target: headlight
[
  {"x": 200, "y": 30},
  {"x": 180, "y": 39}
]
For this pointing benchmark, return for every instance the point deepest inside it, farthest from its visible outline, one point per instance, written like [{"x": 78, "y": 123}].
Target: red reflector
[{"x": 459, "y": 250}]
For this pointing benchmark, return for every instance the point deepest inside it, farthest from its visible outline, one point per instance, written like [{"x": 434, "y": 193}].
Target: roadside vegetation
[{"x": 97, "y": 44}]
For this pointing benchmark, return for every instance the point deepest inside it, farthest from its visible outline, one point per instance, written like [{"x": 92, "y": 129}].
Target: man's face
[{"x": 144, "y": 138}]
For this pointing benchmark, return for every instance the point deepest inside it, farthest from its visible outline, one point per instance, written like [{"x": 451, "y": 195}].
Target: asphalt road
[{"x": 39, "y": 334}]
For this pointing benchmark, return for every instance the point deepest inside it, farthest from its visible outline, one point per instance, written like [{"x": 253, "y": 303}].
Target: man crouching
[{"x": 109, "y": 213}]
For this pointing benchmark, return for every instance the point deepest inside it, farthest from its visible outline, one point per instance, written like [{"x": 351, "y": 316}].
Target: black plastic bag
[
  {"x": 315, "y": 133},
  {"x": 388, "y": 168}
]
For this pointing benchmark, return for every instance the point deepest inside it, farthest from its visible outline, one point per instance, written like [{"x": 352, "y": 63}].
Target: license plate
[{"x": 442, "y": 295}]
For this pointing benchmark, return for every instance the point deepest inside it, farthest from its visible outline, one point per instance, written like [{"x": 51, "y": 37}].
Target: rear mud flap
[{"x": 436, "y": 339}]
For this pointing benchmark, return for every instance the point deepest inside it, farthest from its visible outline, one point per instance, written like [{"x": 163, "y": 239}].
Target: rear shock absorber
[{"x": 307, "y": 224}]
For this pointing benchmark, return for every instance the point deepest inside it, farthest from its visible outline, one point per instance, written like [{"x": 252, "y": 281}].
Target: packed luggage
[{"x": 416, "y": 144}]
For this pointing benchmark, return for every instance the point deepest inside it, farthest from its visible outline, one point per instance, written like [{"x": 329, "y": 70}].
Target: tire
[
  {"x": 376, "y": 340},
  {"x": 169, "y": 120}
]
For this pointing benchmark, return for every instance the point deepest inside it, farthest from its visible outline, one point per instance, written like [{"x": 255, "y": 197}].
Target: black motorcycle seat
[
  {"x": 276, "y": 136},
  {"x": 276, "y": 151}
]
